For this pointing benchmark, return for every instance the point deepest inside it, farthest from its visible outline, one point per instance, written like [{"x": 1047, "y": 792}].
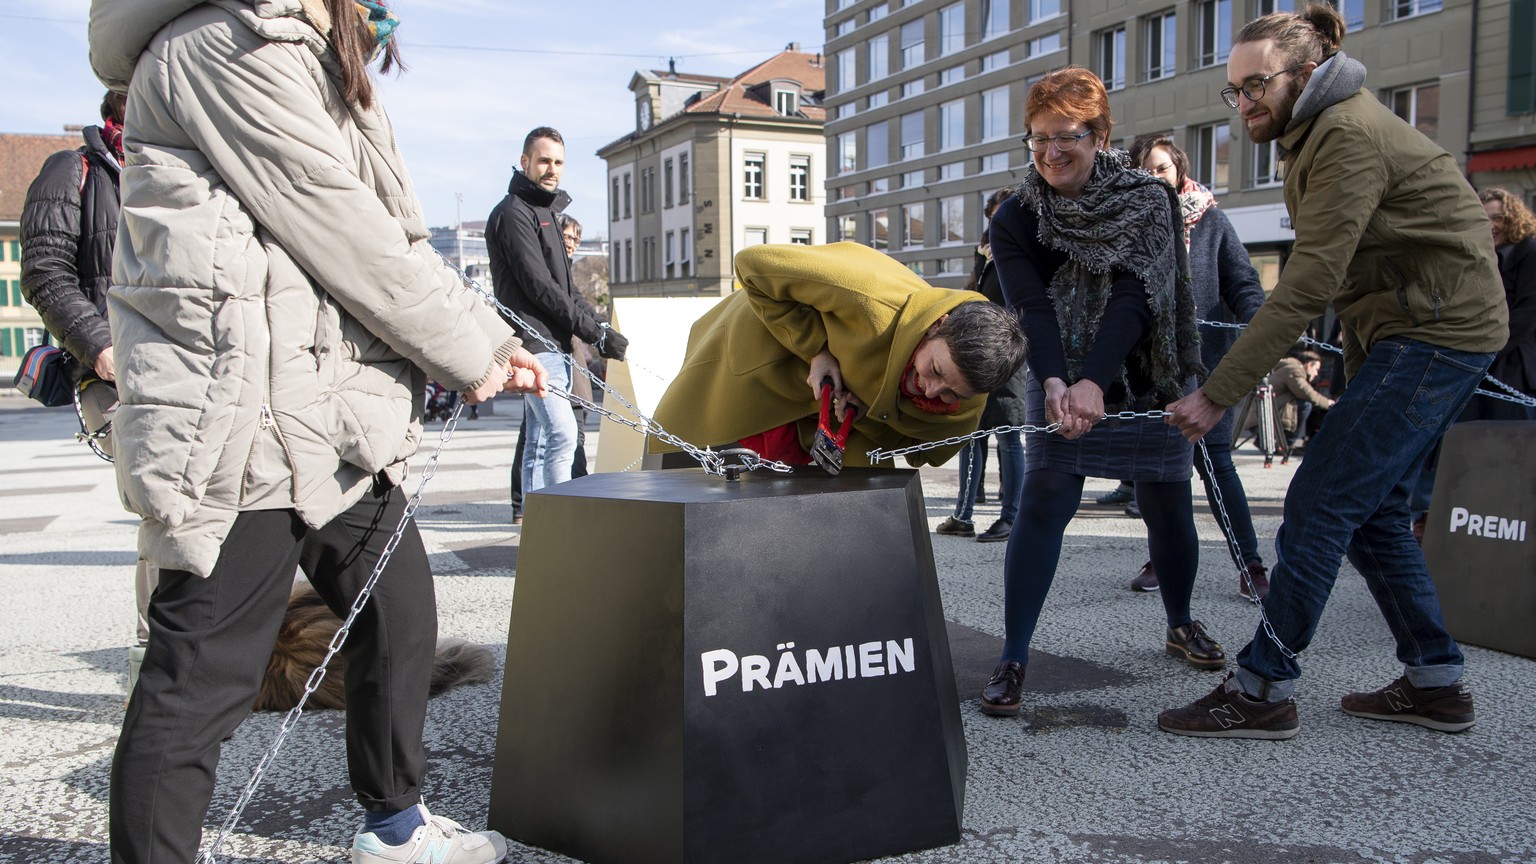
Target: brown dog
[{"x": 305, "y": 636}]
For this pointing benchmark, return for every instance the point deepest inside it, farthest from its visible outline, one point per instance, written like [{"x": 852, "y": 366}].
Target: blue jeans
[
  {"x": 1350, "y": 496},
  {"x": 1010, "y": 468},
  {"x": 551, "y": 442}
]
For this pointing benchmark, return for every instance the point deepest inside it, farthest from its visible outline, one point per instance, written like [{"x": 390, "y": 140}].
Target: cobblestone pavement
[{"x": 1082, "y": 775}]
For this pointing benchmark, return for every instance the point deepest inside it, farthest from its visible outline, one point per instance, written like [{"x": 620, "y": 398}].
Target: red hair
[{"x": 1076, "y": 94}]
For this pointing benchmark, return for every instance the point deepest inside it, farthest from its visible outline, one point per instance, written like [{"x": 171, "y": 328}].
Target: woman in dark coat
[
  {"x": 1514, "y": 238},
  {"x": 1092, "y": 256}
]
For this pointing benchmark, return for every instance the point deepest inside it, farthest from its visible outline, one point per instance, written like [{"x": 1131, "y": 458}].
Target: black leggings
[{"x": 1048, "y": 503}]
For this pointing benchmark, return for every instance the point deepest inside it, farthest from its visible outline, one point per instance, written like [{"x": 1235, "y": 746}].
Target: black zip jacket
[
  {"x": 531, "y": 272},
  {"x": 68, "y": 231}
]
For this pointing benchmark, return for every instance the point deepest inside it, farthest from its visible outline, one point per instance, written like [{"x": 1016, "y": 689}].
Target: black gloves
[{"x": 612, "y": 344}]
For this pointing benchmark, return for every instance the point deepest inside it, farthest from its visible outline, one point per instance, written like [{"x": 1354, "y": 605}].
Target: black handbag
[{"x": 47, "y": 374}]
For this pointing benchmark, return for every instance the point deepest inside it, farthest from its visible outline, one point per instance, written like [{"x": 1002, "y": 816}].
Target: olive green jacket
[
  {"x": 1388, "y": 231},
  {"x": 748, "y": 358}
]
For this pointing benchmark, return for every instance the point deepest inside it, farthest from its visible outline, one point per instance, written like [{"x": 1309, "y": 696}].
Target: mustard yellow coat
[{"x": 747, "y": 360}]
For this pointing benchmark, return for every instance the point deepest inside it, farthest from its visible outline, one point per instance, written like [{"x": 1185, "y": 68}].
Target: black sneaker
[
  {"x": 953, "y": 527},
  {"x": 1444, "y": 709},
  {"x": 1194, "y": 646},
  {"x": 997, "y": 533},
  {"x": 1227, "y": 712},
  {"x": 1146, "y": 580},
  {"x": 1117, "y": 497}
]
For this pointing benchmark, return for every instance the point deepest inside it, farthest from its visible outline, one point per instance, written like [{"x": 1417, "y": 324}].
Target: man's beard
[{"x": 1279, "y": 118}]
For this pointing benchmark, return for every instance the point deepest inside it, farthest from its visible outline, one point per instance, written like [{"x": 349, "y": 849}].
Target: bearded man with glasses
[{"x": 1390, "y": 234}]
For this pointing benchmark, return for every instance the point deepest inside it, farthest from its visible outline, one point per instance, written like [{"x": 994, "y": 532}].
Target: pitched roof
[
  {"x": 21, "y": 157},
  {"x": 737, "y": 97}
]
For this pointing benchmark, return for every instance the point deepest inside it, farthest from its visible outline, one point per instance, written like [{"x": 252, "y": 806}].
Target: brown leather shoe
[
  {"x": 1004, "y": 691},
  {"x": 1194, "y": 646},
  {"x": 1146, "y": 580},
  {"x": 1258, "y": 578},
  {"x": 1444, "y": 709}
]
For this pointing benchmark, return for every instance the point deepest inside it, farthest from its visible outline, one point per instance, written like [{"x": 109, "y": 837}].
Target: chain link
[
  {"x": 878, "y": 455},
  {"x": 315, "y": 677}
]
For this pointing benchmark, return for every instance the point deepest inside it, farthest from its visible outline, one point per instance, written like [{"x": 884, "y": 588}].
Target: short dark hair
[
  {"x": 541, "y": 132},
  {"x": 112, "y": 106},
  {"x": 985, "y": 341}
]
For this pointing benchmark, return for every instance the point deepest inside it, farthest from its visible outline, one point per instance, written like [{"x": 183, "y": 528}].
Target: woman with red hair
[{"x": 1092, "y": 256}]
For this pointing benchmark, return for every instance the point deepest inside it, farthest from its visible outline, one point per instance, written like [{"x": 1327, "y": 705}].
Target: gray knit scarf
[{"x": 1123, "y": 220}]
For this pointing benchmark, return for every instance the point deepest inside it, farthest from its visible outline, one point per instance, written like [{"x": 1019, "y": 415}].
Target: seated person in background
[
  {"x": 1294, "y": 394},
  {"x": 915, "y": 360}
]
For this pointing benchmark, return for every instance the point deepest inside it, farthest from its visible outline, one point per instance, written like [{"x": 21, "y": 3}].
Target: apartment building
[
  {"x": 714, "y": 165},
  {"x": 925, "y": 104}
]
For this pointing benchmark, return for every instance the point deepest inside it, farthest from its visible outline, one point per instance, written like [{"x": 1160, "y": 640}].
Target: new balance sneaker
[
  {"x": 1194, "y": 646},
  {"x": 956, "y": 527},
  {"x": 1227, "y": 712},
  {"x": 440, "y": 840},
  {"x": 1445, "y": 709}
]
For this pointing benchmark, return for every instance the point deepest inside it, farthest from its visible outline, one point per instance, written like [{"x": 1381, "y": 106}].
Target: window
[
  {"x": 1048, "y": 44},
  {"x": 1111, "y": 45},
  {"x": 1160, "y": 38},
  {"x": 846, "y": 26},
  {"x": 668, "y": 178},
  {"x": 912, "y": 179},
  {"x": 847, "y": 153},
  {"x": 848, "y": 228},
  {"x": 1520, "y": 97},
  {"x": 754, "y": 237},
  {"x": 800, "y": 236},
  {"x": 952, "y": 75},
  {"x": 912, "y": 88},
  {"x": 1354, "y": 14},
  {"x": 786, "y": 102},
  {"x": 951, "y": 28},
  {"x": 845, "y": 110},
  {"x": 879, "y": 185},
  {"x": 647, "y": 258},
  {"x": 847, "y": 61},
  {"x": 952, "y": 171},
  {"x": 846, "y": 192},
  {"x": 647, "y": 190},
  {"x": 912, "y": 44},
  {"x": 752, "y": 175},
  {"x": 614, "y": 197},
  {"x": 993, "y": 163},
  {"x": 877, "y": 12},
  {"x": 918, "y": 267},
  {"x": 1264, "y": 164},
  {"x": 952, "y": 224},
  {"x": 629, "y": 261},
  {"x": 1042, "y": 9},
  {"x": 1214, "y": 38},
  {"x": 952, "y": 125},
  {"x": 684, "y": 180},
  {"x": 994, "y": 114},
  {"x": 879, "y": 98},
  {"x": 685, "y": 254},
  {"x": 994, "y": 18},
  {"x": 912, "y": 135},
  {"x": 1266, "y": 7},
  {"x": 1420, "y": 106},
  {"x": 1211, "y": 155},
  {"x": 670, "y": 250},
  {"x": 994, "y": 61},
  {"x": 1400, "y": 9},
  {"x": 879, "y": 57},
  {"x": 799, "y": 178},
  {"x": 626, "y": 195},
  {"x": 880, "y": 229},
  {"x": 951, "y": 267},
  {"x": 912, "y": 224},
  {"x": 878, "y": 142}
]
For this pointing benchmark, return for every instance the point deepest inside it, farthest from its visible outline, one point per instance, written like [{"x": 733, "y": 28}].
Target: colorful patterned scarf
[
  {"x": 381, "y": 24},
  {"x": 112, "y": 136},
  {"x": 1194, "y": 200},
  {"x": 1123, "y": 220}
]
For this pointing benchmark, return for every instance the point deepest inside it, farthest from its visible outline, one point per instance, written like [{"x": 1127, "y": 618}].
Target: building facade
[
  {"x": 925, "y": 104},
  {"x": 714, "y": 165},
  {"x": 21, "y": 157}
]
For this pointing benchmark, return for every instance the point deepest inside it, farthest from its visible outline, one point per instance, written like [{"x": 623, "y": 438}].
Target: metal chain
[
  {"x": 1514, "y": 395},
  {"x": 878, "y": 455},
  {"x": 315, "y": 677},
  {"x": 85, "y": 434}
]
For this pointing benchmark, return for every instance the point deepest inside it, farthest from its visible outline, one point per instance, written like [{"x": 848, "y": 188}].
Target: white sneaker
[{"x": 440, "y": 841}]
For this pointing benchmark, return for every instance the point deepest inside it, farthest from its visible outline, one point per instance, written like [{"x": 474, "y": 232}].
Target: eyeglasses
[
  {"x": 1254, "y": 89},
  {"x": 1063, "y": 142}
]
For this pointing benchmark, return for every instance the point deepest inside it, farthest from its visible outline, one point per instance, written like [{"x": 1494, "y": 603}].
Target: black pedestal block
[{"x": 701, "y": 670}]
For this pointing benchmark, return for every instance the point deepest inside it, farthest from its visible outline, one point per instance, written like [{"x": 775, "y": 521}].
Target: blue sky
[{"x": 473, "y": 89}]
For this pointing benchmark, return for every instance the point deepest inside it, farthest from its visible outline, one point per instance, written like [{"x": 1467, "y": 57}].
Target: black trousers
[{"x": 208, "y": 648}]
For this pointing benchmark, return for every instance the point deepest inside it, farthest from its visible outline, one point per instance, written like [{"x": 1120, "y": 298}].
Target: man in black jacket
[
  {"x": 532, "y": 276},
  {"x": 68, "y": 232}
]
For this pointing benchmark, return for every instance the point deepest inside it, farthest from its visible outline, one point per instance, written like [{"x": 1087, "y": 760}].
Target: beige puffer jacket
[{"x": 275, "y": 300}]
